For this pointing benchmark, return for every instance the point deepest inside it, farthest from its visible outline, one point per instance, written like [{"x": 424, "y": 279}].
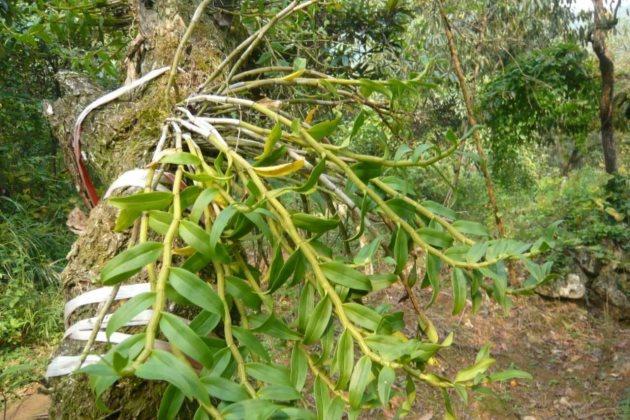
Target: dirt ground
[{"x": 580, "y": 361}]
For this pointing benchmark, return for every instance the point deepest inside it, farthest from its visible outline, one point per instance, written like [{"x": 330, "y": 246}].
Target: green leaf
[
  {"x": 224, "y": 389},
  {"x": 154, "y": 200},
  {"x": 196, "y": 237},
  {"x": 435, "y": 237},
  {"x": 164, "y": 366},
  {"x": 125, "y": 219},
  {"x": 322, "y": 398},
  {"x": 471, "y": 228},
  {"x": 344, "y": 359},
  {"x": 312, "y": 223},
  {"x": 362, "y": 315},
  {"x": 257, "y": 409},
  {"x": 386, "y": 379},
  {"x": 508, "y": 374},
  {"x": 313, "y": 177},
  {"x": 401, "y": 252},
  {"x": 459, "y": 290},
  {"x": 201, "y": 414},
  {"x": 358, "y": 123},
  {"x": 382, "y": 281},
  {"x": 271, "y": 140},
  {"x": 220, "y": 224},
  {"x": 204, "y": 323},
  {"x": 271, "y": 325},
  {"x": 323, "y": 129},
  {"x": 130, "y": 262},
  {"x": 271, "y": 374},
  {"x": 299, "y": 368},
  {"x": 240, "y": 289},
  {"x": 361, "y": 377},
  {"x": 160, "y": 221},
  {"x": 433, "y": 275},
  {"x": 366, "y": 253},
  {"x": 171, "y": 403},
  {"x": 278, "y": 277},
  {"x": 201, "y": 203},
  {"x": 471, "y": 372},
  {"x": 439, "y": 209},
  {"x": 367, "y": 170},
  {"x": 279, "y": 393},
  {"x": 128, "y": 311},
  {"x": 180, "y": 158},
  {"x": 249, "y": 341},
  {"x": 197, "y": 291},
  {"x": 180, "y": 335},
  {"x": 340, "y": 273},
  {"x": 318, "y": 321},
  {"x": 305, "y": 306}
]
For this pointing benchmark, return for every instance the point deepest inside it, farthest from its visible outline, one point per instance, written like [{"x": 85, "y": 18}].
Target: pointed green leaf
[
  {"x": 224, "y": 389},
  {"x": 196, "y": 237},
  {"x": 279, "y": 393},
  {"x": 128, "y": 311},
  {"x": 323, "y": 129},
  {"x": 202, "y": 201},
  {"x": 197, "y": 291},
  {"x": 299, "y": 367},
  {"x": 180, "y": 335},
  {"x": 180, "y": 158},
  {"x": 401, "y": 252},
  {"x": 344, "y": 359},
  {"x": 386, "y": 379},
  {"x": 171, "y": 403},
  {"x": 220, "y": 224},
  {"x": 164, "y": 366},
  {"x": 459, "y": 290},
  {"x": 312, "y": 223},
  {"x": 361, "y": 377},
  {"x": 313, "y": 177},
  {"x": 340, "y": 273},
  {"x": 318, "y": 321},
  {"x": 271, "y": 374},
  {"x": 145, "y": 201},
  {"x": 130, "y": 262}
]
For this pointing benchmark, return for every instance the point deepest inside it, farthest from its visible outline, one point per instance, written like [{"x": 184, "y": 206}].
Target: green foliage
[{"x": 544, "y": 96}]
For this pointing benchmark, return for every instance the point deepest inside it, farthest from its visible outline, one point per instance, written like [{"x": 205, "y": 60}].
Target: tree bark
[
  {"x": 116, "y": 138},
  {"x": 603, "y": 22},
  {"x": 472, "y": 120}
]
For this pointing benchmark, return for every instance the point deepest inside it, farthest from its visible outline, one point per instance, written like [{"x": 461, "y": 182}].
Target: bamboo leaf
[
  {"x": 196, "y": 237},
  {"x": 130, "y": 262},
  {"x": 313, "y": 177}
]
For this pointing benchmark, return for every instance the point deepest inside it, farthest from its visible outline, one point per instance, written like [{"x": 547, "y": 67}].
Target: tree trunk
[
  {"x": 603, "y": 22},
  {"x": 116, "y": 138}
]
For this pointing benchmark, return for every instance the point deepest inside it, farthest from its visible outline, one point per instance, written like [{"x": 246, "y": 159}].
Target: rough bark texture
[
  {"x": 603, "y": 21},
  {"x": 116, "y": 138}
]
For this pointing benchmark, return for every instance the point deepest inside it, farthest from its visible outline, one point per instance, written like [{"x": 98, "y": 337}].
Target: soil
[{"x": 580, "y": 361}]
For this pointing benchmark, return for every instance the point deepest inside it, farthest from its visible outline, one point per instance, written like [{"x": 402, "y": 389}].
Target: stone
[{"x": 572, "y": 286}]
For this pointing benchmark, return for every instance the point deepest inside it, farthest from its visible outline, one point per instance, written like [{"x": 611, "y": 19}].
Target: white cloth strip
[
  {"x": 133, "y": 178},
  {"x": 65, "y": 365},
  {"x": 101, "y": 294},
  {"x": 88, "y": 324}
]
